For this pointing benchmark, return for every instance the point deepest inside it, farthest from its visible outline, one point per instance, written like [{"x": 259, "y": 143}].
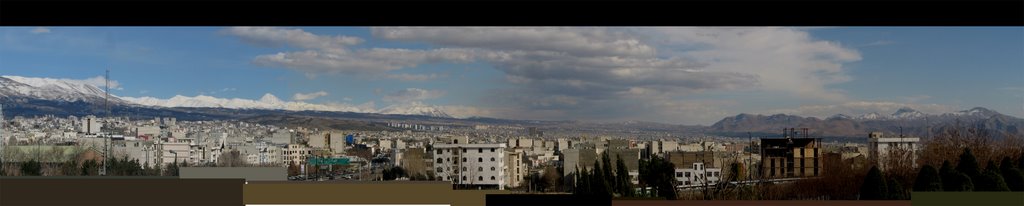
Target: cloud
[
  {"x": 228, "y": 89},
  {"x": 412, "y": 94},
  {"x": 308, "y": 96},
  {"x": 414, "y": 77},
  {"x": 880, "y": 43},
  {"x": 586, "y": 72},
  {"x": 861, "y": 107},
  {"x": 276, "y": 37},
  {"x": 40, "y": 30}
]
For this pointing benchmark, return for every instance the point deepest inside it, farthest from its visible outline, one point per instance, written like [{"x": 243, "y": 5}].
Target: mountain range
[{"x": 28, "y": 96}]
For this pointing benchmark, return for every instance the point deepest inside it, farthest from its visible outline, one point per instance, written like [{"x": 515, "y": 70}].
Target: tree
[
  {"x": 598, "y": 182},
  {"x": 551, "y": 178},
  {"x": 3, "y": 171},
  {"x": 172, "y": 169},
  {"x": 606, "y": 168},
  {"x": 31, "y": 168},
  {"x": 624, "y": 185},
  {"x": 928, "y": 180},
  {"x": 874, "y": 187},
  {"x": 968, "y": 164},
  {"x": 1013, "y": 176},
  {"x": 231, "y": 159},
  {"x": 90, "y": 167},
  {"x": 293, "y": 169},
  {"x": 895, "y": 190},
  {"x": 69, "y": 168},
  {"x": 736, "y": 172},
  {"x": 990, "y": 181}
]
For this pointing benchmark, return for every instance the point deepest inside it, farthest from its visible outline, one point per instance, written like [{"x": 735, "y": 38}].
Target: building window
[
  {"x": 481, "y": 178},
  {"x": 492, "y": 149},
  {"x": 480, "y": 169},
  {"x": 679, "y": 174},
  {"x": 479, "y": 159},
  {"x": 687, "y": 175},
  {"x": 439, "y": 152},
  {"x": 439, "y": 169},
  {"x": 463, "y": 178},
  {"x": 480, "y": 150},
  {"x": 463, "y": 169},
  {"x": 492, "y": 168},
  {"x": 456, "y": 141},
  {"x": 463, "y": 159},
  {"x": 492, "y": 177},
  {"x": 492, "y": 159},
  {"x": 439, "y": 160},
  {"x": 448, "y": 159},
  {"x": 464, "y": 150}
]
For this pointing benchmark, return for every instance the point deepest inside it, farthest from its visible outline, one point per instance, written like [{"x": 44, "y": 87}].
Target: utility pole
[{"x": 106, "y": 137}]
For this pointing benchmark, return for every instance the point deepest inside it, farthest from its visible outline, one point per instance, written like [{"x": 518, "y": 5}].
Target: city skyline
[{"x": 663, "y": 74}]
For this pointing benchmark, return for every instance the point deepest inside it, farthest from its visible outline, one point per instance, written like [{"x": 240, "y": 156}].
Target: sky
[{"x": 676, "y": 75}]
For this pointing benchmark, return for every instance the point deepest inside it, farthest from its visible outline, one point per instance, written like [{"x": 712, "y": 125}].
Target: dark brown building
[{"x": 794, "y": 155}]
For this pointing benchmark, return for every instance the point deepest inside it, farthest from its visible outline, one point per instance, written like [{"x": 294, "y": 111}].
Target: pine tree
[
  {"x": 895, "y": 189},
  {"x": 1012, "y": 175},
  {"x": 968, "y": 164},
  {"x": 928, "y": 180},
  {"x": 950, "y": 177},
  {"x": 874, "y": 187},
  {"x": 625, "y": 186},
  {"x": 31, "y": 168}
]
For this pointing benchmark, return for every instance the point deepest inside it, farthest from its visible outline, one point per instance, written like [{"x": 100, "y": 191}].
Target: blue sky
[{"x": 671, "y": 75}]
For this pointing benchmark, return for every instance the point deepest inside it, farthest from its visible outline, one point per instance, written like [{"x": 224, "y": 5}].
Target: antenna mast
[{"x": 106, "y": 138}]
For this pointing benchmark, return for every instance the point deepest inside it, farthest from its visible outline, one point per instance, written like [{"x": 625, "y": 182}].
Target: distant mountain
[
  {"x": 910, "y": 121},
  {"x": 66, "y": 96}
]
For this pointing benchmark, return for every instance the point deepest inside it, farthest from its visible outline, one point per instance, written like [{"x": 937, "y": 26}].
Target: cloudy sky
[{"x": 678, "y": 75}]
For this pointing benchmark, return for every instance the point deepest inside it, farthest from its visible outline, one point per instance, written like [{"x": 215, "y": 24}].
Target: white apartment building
[
  {"x": 879, "y": 148},
  {"x": 90, "y": 125},
  {"x": 697, "y": 174},
  {"x": 517, "y": 168},
  {"x": 471, "y": 165},
  {"x": 297, "y": 153}
]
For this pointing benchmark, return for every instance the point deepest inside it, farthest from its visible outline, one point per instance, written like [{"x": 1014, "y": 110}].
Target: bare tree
[{"x": 231, "y": 159}]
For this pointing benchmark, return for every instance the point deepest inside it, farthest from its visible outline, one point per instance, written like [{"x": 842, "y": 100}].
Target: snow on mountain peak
[{"x": 51, "y": 89}]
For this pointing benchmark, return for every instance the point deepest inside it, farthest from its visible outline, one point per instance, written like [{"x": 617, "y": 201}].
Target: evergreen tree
[
  {"x": 961, "y": 182},
  {"x": 31, "y": 168},
  {"x": 90, "y": 168},
  {"x": 968, "y": 164},
  {"x": 3, "y": 172},
  {"x": 991, "y": 181},
  {"x": 874, "y": 187},
  {"x": 895, "y": 189},
  {"x": 949, "y": 177},
  {"x": 928, "y": 180},
  {"x": 1012, "y": 175},
  {"x": 599, "y": 182},
  {"x": 625, "y": 186},
  {"x": 606, "y": 168}
]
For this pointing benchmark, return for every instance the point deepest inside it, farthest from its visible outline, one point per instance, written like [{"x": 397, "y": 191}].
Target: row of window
[
  {"x": 479, "y": 178},
  {"x": 481, "y": 169},
  {"x": 481, "y": 159},
  {"x": 687, "y": 174},
  {"x": 479, "y": 150}
]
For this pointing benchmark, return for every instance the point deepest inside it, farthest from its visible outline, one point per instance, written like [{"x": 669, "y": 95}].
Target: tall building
[
  {"x": 794, "y": 155},
  {"x": 881, "y": 149},
  {"x": 90, "y": 125},
  {"x": 471, "y": 165}
]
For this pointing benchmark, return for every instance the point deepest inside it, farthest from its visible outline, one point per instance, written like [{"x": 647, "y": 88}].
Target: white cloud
[
  {"x": 267, "y": 101},
  {"x": 271, "y": 36},
  {"x": 40, "y": 30},
  {"x": 228, "y": 89},
  {"x": 412, "y": 94},
  {"x": 414, "y": 77},
  {"x": 580, "y": 71},
  {"x": 308, "y": 96}
]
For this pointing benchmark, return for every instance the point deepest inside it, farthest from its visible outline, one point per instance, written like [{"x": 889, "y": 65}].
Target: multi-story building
[
  {"x": 297, "y": 153},
  {"x": 517, "y": 168},
  {"x": 794, "y": 155},
  {"x": 698, "y": 175},
  {"x": 471, "y": 165},
  {"x": 881, "y": 149}
]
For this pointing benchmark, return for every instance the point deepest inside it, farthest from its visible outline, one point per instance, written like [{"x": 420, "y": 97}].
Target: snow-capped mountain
[
  {"x": 872, "y": 116},
  {"x": 52, "y": 89},
  {"x": 69, "y": 90},
  {"x": 839, "y": 116},
  {"x": 415, "y": 108},
  {"x": 268, "y": 101},
  {"x": 975, "y": 112},
  {"x": 907, "y": 113}
]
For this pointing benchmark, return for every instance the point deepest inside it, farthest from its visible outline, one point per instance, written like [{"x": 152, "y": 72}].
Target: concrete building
[
  {"x": 580, "y": 158},
  {"x": 336, "y": 142},
  {"x": 881, "y": 149},
  {"x": 297, "y": 153},
  {"x": 697, "y": 175},
  {"x": 517, "y": 168},
  {"x": 471, "y": 165},
  {"x": 794, "y": 155},
  {"x": 90, "y": 125}
]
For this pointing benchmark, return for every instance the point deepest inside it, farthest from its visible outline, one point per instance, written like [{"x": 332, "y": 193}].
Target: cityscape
[{"x": 583, "y": 111}]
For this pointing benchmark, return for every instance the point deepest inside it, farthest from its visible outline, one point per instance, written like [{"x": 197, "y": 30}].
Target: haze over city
[{"x": 676, "y": 75}]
